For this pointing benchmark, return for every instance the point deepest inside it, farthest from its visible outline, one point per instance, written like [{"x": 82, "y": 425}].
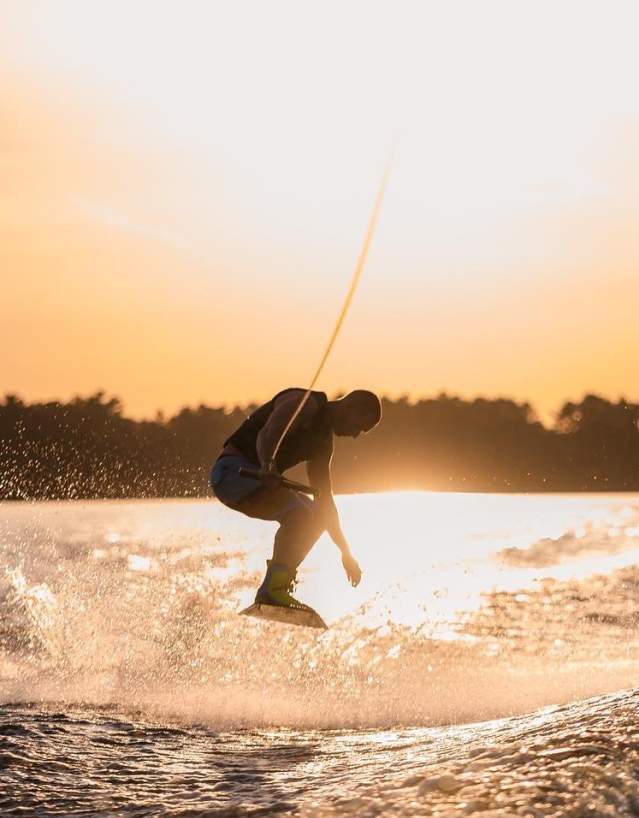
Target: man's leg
[
  {"x": 299, "y": 530},
  {"x": 300, "y": 526},
  {"x": 297, "y": 515}
]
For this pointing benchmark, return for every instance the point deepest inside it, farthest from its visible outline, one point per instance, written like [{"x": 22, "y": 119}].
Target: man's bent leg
[
  {"x": 299, "y": 528},
  {"x": 298, "y": 532}
]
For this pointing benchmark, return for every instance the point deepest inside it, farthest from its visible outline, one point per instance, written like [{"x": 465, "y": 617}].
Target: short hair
[{"x": 368, "y": 404}]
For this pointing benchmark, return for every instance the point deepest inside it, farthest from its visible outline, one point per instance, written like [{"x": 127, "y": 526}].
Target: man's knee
[{"x": 304, "y": 519}]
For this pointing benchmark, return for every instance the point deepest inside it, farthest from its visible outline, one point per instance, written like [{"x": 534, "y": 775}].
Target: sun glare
[{"x": 297, "y": 102}]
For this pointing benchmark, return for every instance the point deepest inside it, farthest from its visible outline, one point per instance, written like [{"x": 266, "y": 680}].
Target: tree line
[{"x": 88, "y": 448}]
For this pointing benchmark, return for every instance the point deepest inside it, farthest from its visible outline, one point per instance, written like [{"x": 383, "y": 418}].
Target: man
[{"x": 310, "y": 440}]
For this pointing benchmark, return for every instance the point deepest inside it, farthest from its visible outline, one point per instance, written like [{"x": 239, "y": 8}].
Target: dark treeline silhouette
[{"x": 87, "y": 448}]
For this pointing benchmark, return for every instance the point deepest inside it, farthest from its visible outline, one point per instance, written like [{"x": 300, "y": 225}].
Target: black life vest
[{"x": 299, "y": 445}]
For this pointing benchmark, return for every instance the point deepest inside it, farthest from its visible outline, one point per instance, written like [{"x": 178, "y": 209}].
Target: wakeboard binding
[{"x": 275, "y": 601}]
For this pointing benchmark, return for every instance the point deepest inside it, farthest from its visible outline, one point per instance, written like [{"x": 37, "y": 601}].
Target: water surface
[{"x": 130, "y": 685}]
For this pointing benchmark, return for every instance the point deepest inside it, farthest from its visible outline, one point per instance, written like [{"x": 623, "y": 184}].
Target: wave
[
  {"x": 562, "y": 761},
  {"x": 587, "y": 540},
  {"x": 571, "y": 760}
]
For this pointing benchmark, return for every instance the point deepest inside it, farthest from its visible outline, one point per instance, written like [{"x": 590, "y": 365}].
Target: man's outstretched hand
[{"x": 353, "y": 571}]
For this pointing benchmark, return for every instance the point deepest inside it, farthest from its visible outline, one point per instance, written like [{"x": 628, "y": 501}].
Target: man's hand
[
  {"x": 351, "y": 566},
  {"x": 270, "y": 477}
]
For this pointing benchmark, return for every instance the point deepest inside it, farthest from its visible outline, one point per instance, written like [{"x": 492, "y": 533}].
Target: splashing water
[{"x": 472, "y": 607}]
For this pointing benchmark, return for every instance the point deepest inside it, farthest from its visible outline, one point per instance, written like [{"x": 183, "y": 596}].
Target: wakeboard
[{"x": 304, "y": 617}]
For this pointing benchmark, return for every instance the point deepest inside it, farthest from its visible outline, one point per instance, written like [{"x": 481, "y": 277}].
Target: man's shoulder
[{"x": 315, "y": 402}]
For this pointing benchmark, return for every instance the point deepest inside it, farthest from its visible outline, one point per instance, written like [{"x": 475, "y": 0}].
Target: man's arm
[
  {"x": 319, "y": 476},
  {"x": 283, "y": 411}
]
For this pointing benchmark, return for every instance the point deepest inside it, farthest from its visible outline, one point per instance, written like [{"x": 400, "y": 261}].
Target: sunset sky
[{"x": 184, "y": 188}]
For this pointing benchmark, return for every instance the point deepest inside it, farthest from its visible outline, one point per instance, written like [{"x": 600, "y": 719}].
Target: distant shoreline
[{"x": 88, "y": 449}]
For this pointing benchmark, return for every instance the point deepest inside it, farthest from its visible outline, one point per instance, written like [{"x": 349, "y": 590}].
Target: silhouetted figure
[{"x": 309, "y": 440}]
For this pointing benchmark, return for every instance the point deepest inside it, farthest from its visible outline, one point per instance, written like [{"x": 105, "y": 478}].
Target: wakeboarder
[{"x": 257, "y": 447}]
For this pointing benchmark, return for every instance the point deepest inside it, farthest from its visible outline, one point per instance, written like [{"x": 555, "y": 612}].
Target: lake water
[{"x": 457, "y": 678}]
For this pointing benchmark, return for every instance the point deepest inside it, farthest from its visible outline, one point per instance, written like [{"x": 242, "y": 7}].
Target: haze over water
[{"x": 131, "y": 686}]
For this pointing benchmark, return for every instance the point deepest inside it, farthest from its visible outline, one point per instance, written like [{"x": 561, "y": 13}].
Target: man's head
[{"x": 357, "y": 412}]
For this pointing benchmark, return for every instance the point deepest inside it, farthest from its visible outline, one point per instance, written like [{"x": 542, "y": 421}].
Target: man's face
[{"x": 351, "y": 422}]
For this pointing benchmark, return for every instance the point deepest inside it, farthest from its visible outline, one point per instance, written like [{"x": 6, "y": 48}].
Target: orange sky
[{"x": 184, "y": 192}]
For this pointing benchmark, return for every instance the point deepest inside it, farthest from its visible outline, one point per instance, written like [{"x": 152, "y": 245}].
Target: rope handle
[{"x": 284, "y": 482}]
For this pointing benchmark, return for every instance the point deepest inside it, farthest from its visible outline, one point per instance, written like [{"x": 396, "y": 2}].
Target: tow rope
[{"x": 357, "y": 274}]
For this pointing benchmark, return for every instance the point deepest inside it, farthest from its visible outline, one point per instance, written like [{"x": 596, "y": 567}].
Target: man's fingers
[{"x": 353, "y": 571}]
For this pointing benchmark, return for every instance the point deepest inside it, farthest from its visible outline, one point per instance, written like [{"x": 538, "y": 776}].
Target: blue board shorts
[{"x": 248, "y": 495}]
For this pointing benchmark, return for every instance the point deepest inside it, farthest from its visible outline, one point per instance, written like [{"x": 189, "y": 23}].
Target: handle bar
[{"x": 256, "y": 474}]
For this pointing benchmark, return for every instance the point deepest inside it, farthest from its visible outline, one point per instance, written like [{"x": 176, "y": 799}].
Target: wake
[{"x": 136, "y": 606}]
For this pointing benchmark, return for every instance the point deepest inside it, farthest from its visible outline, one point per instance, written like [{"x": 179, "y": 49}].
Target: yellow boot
[{"x": 277, "y": 586}]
